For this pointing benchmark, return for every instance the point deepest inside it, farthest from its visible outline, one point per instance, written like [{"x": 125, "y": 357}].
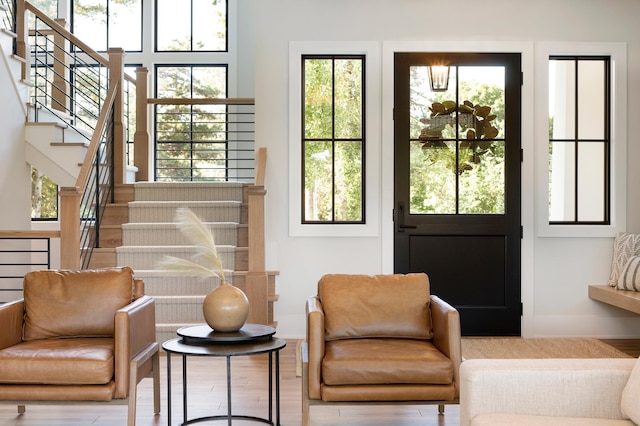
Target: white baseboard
[{"x": 610, "y": 327}]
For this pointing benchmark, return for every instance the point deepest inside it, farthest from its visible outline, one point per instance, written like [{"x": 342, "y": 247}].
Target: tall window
[
  {"x": 109, "y": 23},
  {"x": 193, "y": 25},
  {"x": 191, "y": 141},
  {"x": 579, "y": 140},
  {"x": 333, "y": 141}
]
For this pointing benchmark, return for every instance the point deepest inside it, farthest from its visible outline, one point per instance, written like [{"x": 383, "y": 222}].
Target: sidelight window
[
  {"x": 333, "y": 139},
  {"x": 579, "y": 140}
]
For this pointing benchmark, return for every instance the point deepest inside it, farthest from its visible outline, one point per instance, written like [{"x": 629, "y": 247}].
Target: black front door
[{"x": 457, "y": 182}]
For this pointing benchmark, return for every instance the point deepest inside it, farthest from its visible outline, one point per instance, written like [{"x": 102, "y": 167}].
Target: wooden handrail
[
  {"x": 69, "y": 36},
  {"x": 28, "y": 233},
  {"x": 202, "y": 101},
  {"x": 81, "y": 182}
]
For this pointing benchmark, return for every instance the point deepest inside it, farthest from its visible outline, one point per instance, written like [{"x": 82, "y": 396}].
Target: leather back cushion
[
  {"x": 362, "y": 306},
  {"x": 74, "y": 303}
]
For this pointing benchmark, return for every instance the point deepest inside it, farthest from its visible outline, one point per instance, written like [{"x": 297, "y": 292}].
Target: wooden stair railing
[
  {"x": 70, "y": 197},
  {"x": 69, "y": 214}
]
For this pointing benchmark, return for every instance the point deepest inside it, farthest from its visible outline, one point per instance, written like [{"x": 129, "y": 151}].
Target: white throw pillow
[
  {"x": 629, "y": 278},
  {"x": 624, "y": 246},
  {"x": 631, "y": 395}
]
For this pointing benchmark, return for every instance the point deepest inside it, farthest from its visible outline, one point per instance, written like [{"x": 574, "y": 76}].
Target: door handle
[{"x": 401, "y": 225}]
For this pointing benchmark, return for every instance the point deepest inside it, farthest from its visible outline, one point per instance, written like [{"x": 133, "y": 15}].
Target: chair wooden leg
[
  {"x": 21, "y": 409},
  {"x": 156, "y": 383},
  {"x": 305, "y": 394},
  {"x": 440, "y": 408},
  {"x": 133, "y": 393}
]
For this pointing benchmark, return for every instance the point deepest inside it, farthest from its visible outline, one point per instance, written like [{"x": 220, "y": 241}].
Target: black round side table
[{"x": 201, "y": 340}]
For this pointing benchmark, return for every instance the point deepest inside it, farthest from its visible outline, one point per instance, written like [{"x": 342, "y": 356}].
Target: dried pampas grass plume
[{"x": 206, "y": 261}]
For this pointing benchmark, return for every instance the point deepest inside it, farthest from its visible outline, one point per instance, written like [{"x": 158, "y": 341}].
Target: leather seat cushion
[
  {"x": 82, "y": 360},
  {"x": 385, "y": 361},
  {"x": 61, "y": 303}
]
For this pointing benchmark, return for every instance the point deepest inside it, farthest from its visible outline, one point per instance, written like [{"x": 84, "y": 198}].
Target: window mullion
[
  {"x": 333, "y": 140},
  {"x": 576, "y": 143}
]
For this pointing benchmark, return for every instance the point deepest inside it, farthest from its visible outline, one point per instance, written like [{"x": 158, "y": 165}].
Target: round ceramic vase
[{"x": 226, "y": 308}]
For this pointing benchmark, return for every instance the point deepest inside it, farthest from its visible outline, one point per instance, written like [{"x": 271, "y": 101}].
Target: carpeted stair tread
[{"x": 191, "y": 191}]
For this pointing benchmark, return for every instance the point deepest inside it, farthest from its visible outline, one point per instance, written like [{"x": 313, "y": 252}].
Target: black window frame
[
  {"x": 606, "y": 140},
  {"x": 333, "y": 140}
]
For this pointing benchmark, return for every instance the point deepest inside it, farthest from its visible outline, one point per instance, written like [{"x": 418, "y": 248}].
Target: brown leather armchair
[
  {"x": 82, "y": 336},
  {"x": 381, "y": 338}
]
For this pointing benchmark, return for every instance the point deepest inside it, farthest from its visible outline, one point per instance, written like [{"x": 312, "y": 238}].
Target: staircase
[
  {"x": 137, "y": 228},
  {"x": 147, "y": 233}
]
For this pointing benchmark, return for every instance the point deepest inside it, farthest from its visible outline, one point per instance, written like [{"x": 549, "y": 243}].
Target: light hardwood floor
[{"x": 207, "y": 396}]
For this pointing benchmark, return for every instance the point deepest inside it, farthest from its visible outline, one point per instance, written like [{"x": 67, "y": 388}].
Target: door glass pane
[
  {"x": 591, "y": 182},
  {"x": 480, "y": 191},
  {"x": 484, "y": 87},
  {"x": 432, "y": 184},
  {"x": 457, "y": 143},
  {"x": 562, "y": 99},
  {"x": 562, "y": 181}
]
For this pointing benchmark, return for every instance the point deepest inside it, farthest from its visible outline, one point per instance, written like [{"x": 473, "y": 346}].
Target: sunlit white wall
[{"x": 558, "y": 270}]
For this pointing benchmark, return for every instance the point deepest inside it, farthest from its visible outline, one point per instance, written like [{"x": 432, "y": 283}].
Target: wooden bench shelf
[{"x": 629, "y": 300}]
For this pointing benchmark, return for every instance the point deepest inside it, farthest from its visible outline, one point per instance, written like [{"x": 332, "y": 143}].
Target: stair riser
[
  {"x": 115, "y": 214},
  {"x": 167, "y": 235},
  {"x": 175, "y": 286},
  {"x": 110, "y": 237},
  {"x": 166, "y": 212},
  {"x": 151, "y": 258},
  {"x": 103, "y": 259},
  {"x": 179, "y": 311},
  {"x": 195, "y": 192}
]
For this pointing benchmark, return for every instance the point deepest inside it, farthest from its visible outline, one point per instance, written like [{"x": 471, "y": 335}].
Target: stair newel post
[
  {"x": 141, "y": 136},
  {"x": 60, "y": 86},
  {"x": 116, "y": 73},
  {"x": 22, "y": 31},
  {"x": 70, "y": 227},
  {"x": 257, "y": 281}
]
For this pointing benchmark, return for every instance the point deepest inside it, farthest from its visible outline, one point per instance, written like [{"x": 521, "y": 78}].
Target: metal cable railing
[
  {"x": 98, "y": 185},
  {"x": 7, "y": 8},
  {"x": 22, "y": 252},
  {"x": 56, "y": 67},
  {"x": 205, "y": 141}
]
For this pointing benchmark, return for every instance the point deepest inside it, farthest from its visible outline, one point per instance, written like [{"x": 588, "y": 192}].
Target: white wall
[
  {"x": 556, "y": 271},
  {"x": 15, "y": 174}
]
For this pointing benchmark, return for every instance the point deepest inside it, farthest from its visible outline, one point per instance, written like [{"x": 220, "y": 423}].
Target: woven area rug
[{"x": 517, "y": 347}]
